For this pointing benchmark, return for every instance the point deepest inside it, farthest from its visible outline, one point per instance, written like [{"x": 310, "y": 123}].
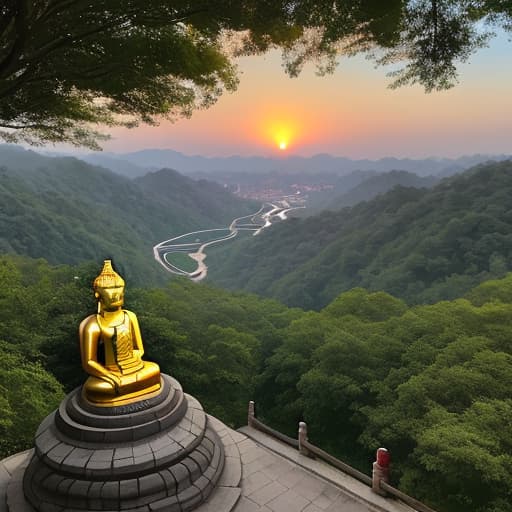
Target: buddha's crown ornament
[{"x": 108, "y": 277}]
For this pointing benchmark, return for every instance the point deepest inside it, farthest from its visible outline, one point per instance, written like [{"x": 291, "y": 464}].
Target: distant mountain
[
  {"x": 205, "y": 199},
  {"x": 117, "y": 165},
  {"x": 422, "y": 245},
  {"x": 67, "y": 211},
  {"x": 159, "y": 158},
  {"x": 379, "y": 184}
]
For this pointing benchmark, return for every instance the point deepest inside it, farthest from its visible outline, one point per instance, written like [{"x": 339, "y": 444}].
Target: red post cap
[{"x": 383, "y": 457}]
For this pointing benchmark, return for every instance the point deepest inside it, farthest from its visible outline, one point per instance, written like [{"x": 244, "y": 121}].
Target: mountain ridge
[
  {"x": 380, "y": 184},
  {"x": 138, "y": 163}
]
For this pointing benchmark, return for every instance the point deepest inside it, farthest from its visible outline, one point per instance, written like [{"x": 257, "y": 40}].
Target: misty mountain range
[{"x": 140, "y": 162}]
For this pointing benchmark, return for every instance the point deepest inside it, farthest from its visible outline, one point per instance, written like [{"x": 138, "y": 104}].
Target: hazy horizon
[{"x": 275, "y": 156}]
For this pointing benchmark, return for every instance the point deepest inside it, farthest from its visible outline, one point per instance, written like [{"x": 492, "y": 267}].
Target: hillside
[
  {"x": 206, "y": 200},
  {"x": 67, "y": 211},
  {"x": 379, "y": 184},
  {"x": 117, "y": 165},
  {"x": 420, "y": 245}
]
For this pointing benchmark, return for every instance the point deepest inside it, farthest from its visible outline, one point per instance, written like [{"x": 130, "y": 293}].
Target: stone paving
[
  {"x": 8, "y": 467},
  {"x": 277, "y": 478},
  {"x": 262, "y": 474}
]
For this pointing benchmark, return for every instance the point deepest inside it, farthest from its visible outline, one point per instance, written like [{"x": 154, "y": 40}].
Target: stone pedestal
[{"x": 155, "y": 454}]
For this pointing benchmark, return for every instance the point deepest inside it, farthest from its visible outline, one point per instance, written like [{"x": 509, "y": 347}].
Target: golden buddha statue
[{"x": 124, "y": 377}]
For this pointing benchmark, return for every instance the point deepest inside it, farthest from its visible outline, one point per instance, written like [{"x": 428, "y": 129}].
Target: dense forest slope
[
  {"x": 67, "y": 211},
  {"x": 203, "y": 202},
  {"x": 431, "y": 383},
  {"x": 417, "y": 244},
  {"x": 379, "y": 184}
]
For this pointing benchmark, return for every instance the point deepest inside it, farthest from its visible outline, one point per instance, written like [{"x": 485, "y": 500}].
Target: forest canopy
[{"x": 68, "y": 65}]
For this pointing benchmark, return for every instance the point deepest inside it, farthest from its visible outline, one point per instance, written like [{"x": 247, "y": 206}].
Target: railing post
[
  {"x": 303, "y": 436},
  {"x": 380, "y": 472},
  {"x": 250, "y": 414}
]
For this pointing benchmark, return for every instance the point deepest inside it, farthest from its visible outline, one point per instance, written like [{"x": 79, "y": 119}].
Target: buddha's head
[{"x": 109, "y": 288}]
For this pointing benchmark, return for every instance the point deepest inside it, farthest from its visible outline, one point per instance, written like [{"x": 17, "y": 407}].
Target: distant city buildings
[{"x": 295, "y": 194}]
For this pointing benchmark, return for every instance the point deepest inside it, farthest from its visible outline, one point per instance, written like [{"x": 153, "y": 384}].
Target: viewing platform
[{"x": 261, "y": 474}]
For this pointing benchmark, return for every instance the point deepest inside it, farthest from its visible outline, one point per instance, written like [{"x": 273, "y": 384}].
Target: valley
[
  {"x": 68, "y": 211},
  {"x": 420, "y": 244}
]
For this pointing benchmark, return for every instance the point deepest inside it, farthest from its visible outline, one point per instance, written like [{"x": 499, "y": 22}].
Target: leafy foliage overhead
[{"x": 67, "y": 65}]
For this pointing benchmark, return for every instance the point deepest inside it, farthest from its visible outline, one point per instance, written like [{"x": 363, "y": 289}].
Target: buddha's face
[{"x": 110, "y": 298}]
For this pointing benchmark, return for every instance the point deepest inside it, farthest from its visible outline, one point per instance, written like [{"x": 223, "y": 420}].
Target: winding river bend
[{"x": 184, "y": 255}]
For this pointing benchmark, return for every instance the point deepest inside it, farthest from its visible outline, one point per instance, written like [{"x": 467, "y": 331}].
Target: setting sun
[
  {"x": 279, "y": 129},
  {"x": 282, "y": 134}
]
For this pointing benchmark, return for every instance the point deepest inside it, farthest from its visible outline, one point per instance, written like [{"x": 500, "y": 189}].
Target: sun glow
[
  {"x": 283, "y": 129},
  {"x": 280, "y": 133}
]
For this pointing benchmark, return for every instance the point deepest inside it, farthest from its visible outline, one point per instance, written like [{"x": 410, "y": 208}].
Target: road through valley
[{"x": 184, "y": 255}]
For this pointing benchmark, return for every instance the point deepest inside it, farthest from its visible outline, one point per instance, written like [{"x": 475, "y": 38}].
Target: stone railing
[{"x": 379, "y": 481}]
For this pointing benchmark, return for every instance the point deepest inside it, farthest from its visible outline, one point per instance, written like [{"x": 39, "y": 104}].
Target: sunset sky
[{"x": 350, "y": 113}]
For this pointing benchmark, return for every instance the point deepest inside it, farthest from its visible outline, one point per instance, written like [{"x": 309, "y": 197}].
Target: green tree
[
  {"x": 372, "y": 307},
  {"x": 68, "y": 65},
  {"x": 28, "y": 394},
  {"x": 439, "y": 33},
  {"x": 468, "y": 458},
  {"x": 65, "y": 65}
]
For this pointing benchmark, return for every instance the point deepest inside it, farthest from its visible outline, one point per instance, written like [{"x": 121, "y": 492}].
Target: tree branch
[
  {"x": 55, "y": 7},
  {"x": 20, "y": 17},
  {"x": 8, "y": 17},
  {"x": 33, "y": 126}
]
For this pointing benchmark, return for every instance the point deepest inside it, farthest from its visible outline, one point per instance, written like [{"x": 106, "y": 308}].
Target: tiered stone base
[{"x": 155, "y": 454}]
